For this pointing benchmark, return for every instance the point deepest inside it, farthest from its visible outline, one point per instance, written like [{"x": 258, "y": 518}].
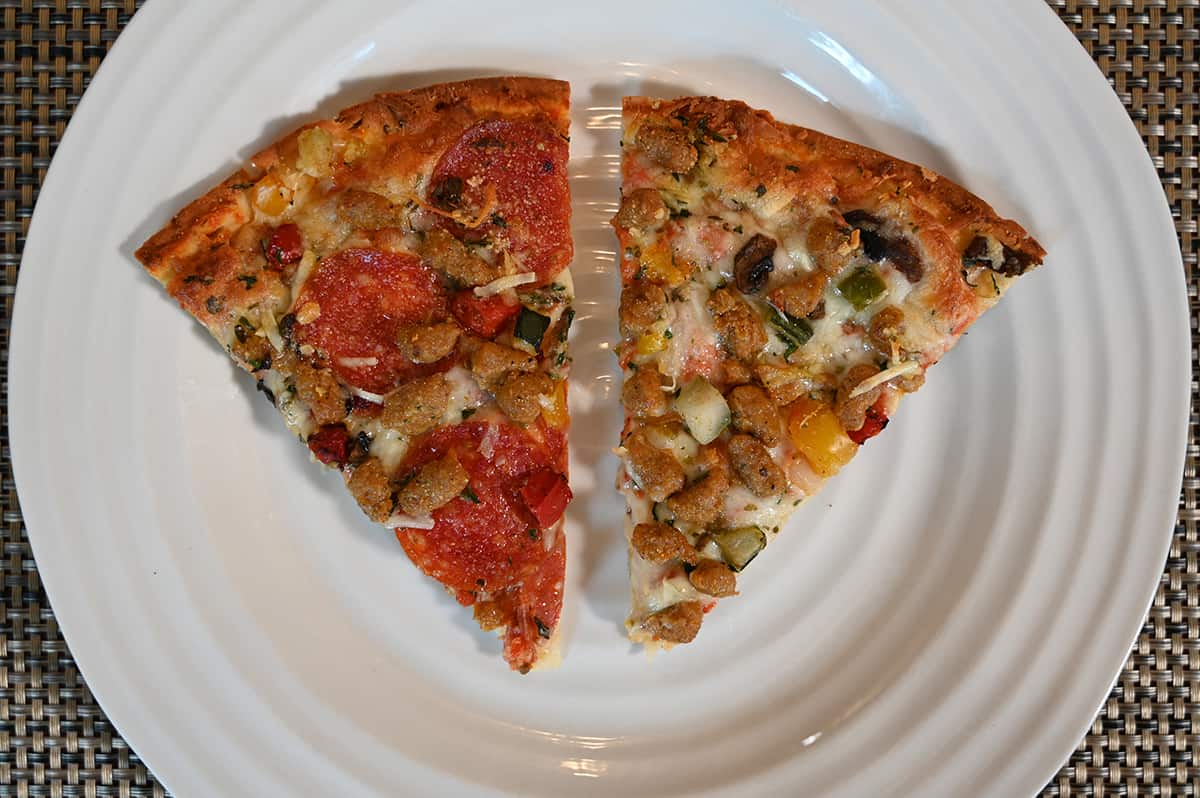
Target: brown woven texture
[{"x": 55, "y": 740}]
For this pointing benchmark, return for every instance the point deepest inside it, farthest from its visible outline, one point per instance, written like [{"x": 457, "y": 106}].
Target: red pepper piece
[{"x": 546, "y": 494}]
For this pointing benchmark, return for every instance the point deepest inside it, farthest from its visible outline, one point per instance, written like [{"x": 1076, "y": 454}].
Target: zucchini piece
[
  {"x": 703, "y": 409},
  {"x": 740, "y": 546},
  {"x": 531, "y": 328}
]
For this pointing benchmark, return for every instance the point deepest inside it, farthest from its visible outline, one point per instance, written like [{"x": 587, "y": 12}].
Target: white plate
[{"x": 944, "y": 620}]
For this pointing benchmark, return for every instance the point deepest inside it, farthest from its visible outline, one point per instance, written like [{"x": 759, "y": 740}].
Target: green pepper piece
[
  {"x": 794, "y": 332},
  {"x": 862, "y": 287}
]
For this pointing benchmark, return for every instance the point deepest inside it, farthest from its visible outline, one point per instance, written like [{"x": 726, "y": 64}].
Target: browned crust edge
[
  {"x": 851, "y": 171},
  {"x": 408, "y": 131}
]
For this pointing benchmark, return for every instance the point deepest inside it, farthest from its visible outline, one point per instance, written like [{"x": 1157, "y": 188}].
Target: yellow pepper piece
[
  {"x": 659, "y": 265},
  {"x": 651, "y": 342},
  {"x": 817, "y": 433},
  {"x": 555, "y": 413},
  {"x": 271, "y": 196}
]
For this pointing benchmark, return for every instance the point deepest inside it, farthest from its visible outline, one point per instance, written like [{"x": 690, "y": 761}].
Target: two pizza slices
[{"x": 396, "y": 281}]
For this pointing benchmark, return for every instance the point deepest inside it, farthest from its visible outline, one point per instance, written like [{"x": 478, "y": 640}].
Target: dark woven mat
[{"x": 55, "y": 740}]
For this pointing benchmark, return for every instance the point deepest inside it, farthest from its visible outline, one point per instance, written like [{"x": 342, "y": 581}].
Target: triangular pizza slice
[
  {"x": 395, "y": 279},
  {"x": 781, "y": 291}
]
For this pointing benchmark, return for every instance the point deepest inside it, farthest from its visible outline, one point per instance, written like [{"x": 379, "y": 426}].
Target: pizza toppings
[
  {"x": 417, "y": 406},
  {"x": 642, "y": 304},
  {"x": 755, "y": 468},
  {"x": 642, "y": 208},
  {"x": 432, "y": 485},
  {"x": 703, "y": 410},
  {"x": 713, "y": 579},
  {"x": 320, "y": 391},
  {"x": 658, "y": 542},
  {"x": 668, "y": 147},
  {"x": 372, "y": 489},
  {"x": 643, "y": 395},
  {"x": 655, "y": 471},
  {"x": 454, "y": 259},
  {"x": 330, "y": 444},
  {"x": 491, "y": 362},
  {"x": 427, "y": 343},
  {"x": 738, "y": 326},
  {"x": 511, "y": 176},
  {"x": 366, "y": 297},
  {"x": 285, "y": 246},
  {"x": 496, "y": 547},
  {"x": 753, "y": 413},
  {"x": 484, "y": 316},
  {"x": 367, "y": 210},
  {"x": 739, "y": 546},
  {"x": 754, "y": 263},
  {"x": 679, "y": 623},
  {"x": 546, "y": 495},
  {"x": 521, "y": 396}
]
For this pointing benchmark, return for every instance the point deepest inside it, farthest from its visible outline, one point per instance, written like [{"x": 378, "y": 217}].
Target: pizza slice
[
  {"x": 781, "y": 291},
  {"x": 395, "y": 279}
]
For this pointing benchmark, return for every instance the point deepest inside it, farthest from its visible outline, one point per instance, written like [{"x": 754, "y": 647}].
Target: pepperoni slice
[
  {"x": 365, "y": 296},
  {"x": 525, "y": 164},
  {"x": 488, "y": 541}
]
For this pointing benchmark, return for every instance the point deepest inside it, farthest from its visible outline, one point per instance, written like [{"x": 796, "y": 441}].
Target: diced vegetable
[
  {"x": 531, "y": 328},
  {"x": 862, "y": 287},
  {"x": 271, "y": 196},
  {"x": 794, "y": 332},
  {"x": 546, "y": 494},
  {"x": 703, "y": 409},
  {"x": 330, "y": 444},
  {"x": 316, "y": 151},
  {"x": 817, "y": 433},
  {"x": 740, "y": 546},
  {"x": 554, "y": 411},
  {"x": 485, "y": 316},
  {"x": 651, "y": 342},
  {"x": 659, "y": 264},
  {"x": 286, "y": 245}
]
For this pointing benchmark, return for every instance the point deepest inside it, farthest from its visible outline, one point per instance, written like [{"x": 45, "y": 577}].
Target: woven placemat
[{"x": 55, "y": 740}]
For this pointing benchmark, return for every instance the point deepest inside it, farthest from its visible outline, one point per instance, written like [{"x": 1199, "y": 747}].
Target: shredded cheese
[
  {"x": 871, "y": 383},
  {"x": 502, "y": 284},
  {"x": 370, "y": 397},
  {"x": 271, "y": 329},
  {"x": 307, "y": 262},
  {"x": 357, "y": 362},
  {"x": 409, "y": 521}
]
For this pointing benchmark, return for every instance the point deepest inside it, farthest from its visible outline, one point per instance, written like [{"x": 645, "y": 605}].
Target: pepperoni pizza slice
[
  {"x": 781, "y": 291},
  {"x": 395, "y": 279}
]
